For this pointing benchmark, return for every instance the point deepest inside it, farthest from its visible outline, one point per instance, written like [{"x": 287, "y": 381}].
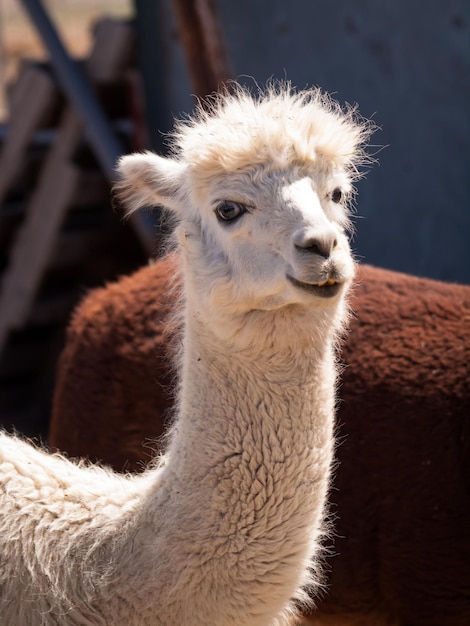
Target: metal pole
[
  {"x": 76, "y": 86},
  {"x": 97, "y": 128}
]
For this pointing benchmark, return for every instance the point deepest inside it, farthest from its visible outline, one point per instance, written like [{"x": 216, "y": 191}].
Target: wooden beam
[
  {"x": 58, "y": 182},
  {"x": 32, "y": 100},
  {"x": 35, "y": 238}
]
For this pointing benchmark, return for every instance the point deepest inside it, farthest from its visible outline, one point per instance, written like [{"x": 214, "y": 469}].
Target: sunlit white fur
[{"x": 225, "y": 528}]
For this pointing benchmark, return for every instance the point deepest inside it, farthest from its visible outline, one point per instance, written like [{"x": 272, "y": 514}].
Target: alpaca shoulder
[{"x": 56, "y": 483}]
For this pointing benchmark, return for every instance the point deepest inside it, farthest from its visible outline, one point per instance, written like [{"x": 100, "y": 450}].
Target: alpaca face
[
  {"x": 259, "y": 187},
  {"x": 263, "y": 242}
]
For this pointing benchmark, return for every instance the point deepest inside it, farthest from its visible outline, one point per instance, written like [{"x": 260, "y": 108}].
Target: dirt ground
[{"x": 73, "y": 20}]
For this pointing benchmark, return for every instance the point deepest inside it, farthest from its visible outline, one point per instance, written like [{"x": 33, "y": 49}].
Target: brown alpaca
[{"x": 402, "y": 489}]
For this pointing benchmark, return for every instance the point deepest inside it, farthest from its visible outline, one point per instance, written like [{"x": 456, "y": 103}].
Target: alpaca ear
[{"x": 147, "y": 179}]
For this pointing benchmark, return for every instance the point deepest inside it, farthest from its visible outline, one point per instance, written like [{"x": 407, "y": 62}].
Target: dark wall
[{"x": 406, "y": 63}]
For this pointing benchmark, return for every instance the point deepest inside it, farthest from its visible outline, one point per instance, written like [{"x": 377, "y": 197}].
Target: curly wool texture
[
  {"x": 237, "y": 130},
  {"x": 55, "y": 525}
]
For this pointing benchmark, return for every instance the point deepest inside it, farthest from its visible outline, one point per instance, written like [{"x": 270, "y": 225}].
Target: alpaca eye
[
  {"x": 229, "y": 211},
  {"x": 336, "y": 195}
]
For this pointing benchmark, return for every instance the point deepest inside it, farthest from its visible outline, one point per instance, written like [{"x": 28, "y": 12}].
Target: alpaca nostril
[{"x": 316, "y": 245}]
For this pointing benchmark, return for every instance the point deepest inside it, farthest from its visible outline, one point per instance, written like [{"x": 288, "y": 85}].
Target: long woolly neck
[
  {"x": 221, "y": 382},
  {"x": 229, "y": 397},
  {"x": 245, "y": 479}
]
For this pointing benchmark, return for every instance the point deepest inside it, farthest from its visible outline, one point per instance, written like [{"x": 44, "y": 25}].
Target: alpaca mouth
[{"x": 324, "y": 289}]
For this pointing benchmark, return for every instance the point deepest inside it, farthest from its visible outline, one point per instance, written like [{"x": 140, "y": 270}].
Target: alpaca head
[{"x": 260, "y": 187}]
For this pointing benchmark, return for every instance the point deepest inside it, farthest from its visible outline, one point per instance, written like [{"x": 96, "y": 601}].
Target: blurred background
[{"x": 406, "y": 64}]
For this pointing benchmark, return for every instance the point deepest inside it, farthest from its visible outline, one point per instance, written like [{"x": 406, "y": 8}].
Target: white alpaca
[{"x": 223, "y": 528}]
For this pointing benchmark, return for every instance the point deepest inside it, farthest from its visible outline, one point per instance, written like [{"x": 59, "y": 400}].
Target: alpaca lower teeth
[{"x": 330, "y": 281}]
